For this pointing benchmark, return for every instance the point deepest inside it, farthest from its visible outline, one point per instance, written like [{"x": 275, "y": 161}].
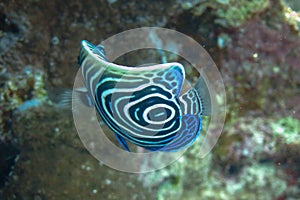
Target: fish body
[{"x": 142, "y": 105}]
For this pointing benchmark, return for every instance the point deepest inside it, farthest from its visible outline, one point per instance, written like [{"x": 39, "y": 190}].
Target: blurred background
[{"x": 256, "y": 46}]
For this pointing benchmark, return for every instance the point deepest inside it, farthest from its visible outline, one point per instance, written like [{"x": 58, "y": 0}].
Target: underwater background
[{"x": 256, "y": 46}]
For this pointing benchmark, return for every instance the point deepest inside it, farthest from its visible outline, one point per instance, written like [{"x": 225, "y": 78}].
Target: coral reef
[
  {"x": 288, "y": 129},
  {"x": 255, "y": 44},
  {"x": 292, "y": 13},
  {"x": 18, "y": 91},
  {"x": 257, "y": 55},
  {"x": 170, "y": 182},
  {"x": 252, "y": 183},
  {"x": 232, "y": 13},
  {"x": 240, "y": 167},
  {"x": 54, "y": 164}
]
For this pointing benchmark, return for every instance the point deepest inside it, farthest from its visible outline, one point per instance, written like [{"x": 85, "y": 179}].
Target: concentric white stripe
[
  {"x": 127, "y": 114},
  {"x": 147, "y": 110}
]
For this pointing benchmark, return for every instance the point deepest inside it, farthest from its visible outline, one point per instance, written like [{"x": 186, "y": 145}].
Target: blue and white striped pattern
[{"x": 142, "y": 104}]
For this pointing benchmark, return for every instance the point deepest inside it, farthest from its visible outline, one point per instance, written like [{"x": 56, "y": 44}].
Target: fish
[{"x": 143, "y": 105}]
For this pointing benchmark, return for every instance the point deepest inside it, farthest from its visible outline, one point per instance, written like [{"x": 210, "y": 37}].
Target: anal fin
[{"x": 122, "y": 142}]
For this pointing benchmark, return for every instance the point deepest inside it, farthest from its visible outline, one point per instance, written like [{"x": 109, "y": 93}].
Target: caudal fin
[{"x": 204, "y": 95}]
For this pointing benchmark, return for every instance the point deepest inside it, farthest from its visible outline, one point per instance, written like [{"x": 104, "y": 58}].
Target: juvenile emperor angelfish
[{"x": 142, "y": 105}]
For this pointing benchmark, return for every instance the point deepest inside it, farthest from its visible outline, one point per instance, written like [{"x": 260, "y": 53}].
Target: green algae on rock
[
  {"x": 232, "y": 13},
  {"x": 21, "y": 91},
  {"x": 236, "y": 12},
  {"x": 18, "y": 88},
  {"x": 292, "y": 14},
  {"x": 287, "y": 128}
]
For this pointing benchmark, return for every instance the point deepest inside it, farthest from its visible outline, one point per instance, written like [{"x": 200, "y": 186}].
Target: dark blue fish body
[{"x": 142, "y": 105}]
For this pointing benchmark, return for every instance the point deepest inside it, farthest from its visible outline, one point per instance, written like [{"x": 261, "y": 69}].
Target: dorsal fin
[
  {"x": 87, "y": 47},
  {"x": 99, "y": 50}
]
